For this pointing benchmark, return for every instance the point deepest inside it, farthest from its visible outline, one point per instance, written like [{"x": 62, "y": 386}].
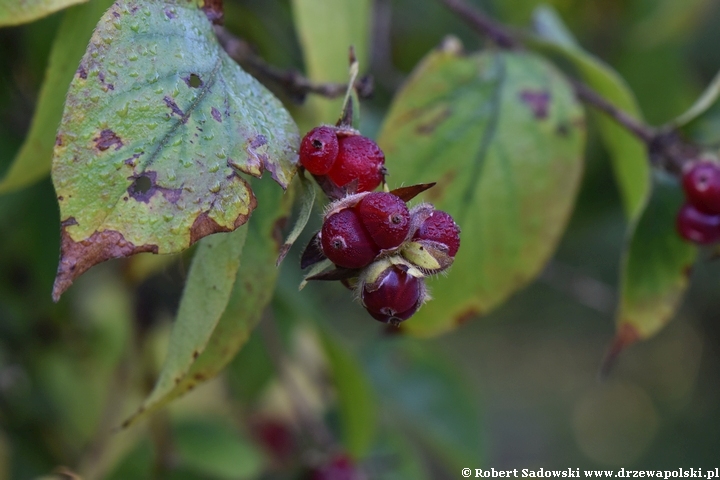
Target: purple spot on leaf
[
  {"x": 538, "y": 101},
  {"x": 216, "y": 114}
]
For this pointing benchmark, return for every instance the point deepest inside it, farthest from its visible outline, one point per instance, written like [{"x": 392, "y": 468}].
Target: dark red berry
[
  {"x": 346, "y": 242},
  {"x": 319, "y": 150},
  {"x": 396, "y": 296},
  {"x": 386, "y": 218},
  {"x": 698, "y": 227},
  {"x": 702, "y": 186},
  {"x": 440, "y": 227},
  {"x": 359, "y": 158},
  {"x": 340, "y": 467},
  {"x": 276, "y": 437}
]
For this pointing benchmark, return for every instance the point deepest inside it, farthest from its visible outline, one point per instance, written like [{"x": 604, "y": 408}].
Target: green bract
[{"x": 159, "y": 124}]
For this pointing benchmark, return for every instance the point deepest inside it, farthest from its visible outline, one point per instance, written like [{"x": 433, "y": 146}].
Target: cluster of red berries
[
  {"x": 342, "y": 160},
  {"x": 381, "y": 248},
  {"x": 698, "y": 221}
]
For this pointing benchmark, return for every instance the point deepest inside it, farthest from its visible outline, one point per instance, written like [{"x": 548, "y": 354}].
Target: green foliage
[
  {"x": 159, "y": 135},
  {"x": 628, "y": 153},
  {"x": 656, "y": 267},
  {"x": 154, "y": 136},
  {"x": 14, "y": 12},
  {"x": 502, "y": 134},
  {"x": 35, "y": 157}
]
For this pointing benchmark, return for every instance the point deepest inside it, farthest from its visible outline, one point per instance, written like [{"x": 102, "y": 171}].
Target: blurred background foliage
[{"x": 517, "y": 388}]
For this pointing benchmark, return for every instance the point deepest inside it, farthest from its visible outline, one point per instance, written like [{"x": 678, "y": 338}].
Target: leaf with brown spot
[
  {"x": 142, "y": 153},
  {"x": 33, "y": 161},
  {"x": 654, "y": 272},
  {"x": 505, "y": 175},
  {"x": 217, "y": 323}
]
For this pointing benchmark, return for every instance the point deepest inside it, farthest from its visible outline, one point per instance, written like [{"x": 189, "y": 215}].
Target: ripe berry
[
  {"x": 345, "y": 241},
  {"x": 340, "y": 467},
  {"x": 440, "y": 227},
  {"x": 359, "y": 158},
  {"x": 318, "y": 150},
  {"x": 394, "y": 296},
  {"x": 702, "y": 186},
  {"x": 698, "y": 227},
  {"x": 386, "y": 218}
]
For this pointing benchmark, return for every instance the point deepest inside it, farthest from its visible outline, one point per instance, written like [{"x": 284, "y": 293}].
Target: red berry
[
  {"x": 440, "y": 227},
  {"x": 359, "y": 158},
  {"x": 696, "y": 226},
  {"x": 346, "y": 242},
  {"x": 702, "y": 186},
  {"x": 396, "y": 297},
  {"x": 339, "y": 468},
  {"x": 318, "y": 150},
  {"x": 386, "y": 218},
  {"x": 276, "y": 437}
]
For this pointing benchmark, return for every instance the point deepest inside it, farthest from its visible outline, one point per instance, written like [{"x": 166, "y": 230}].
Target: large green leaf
[
  {"x": 629, "y": 155},
  {"x": 15, "y": 12},
  {"x": 326, "y": 30},
  {"x": 251, "y": 292},
  {"x": 656, "y": 267},
  {"x": 207, "y": 292},
  {"x": 503, "y": 136},
  {"x": 35, "y": 157},
  {"x": 358, "y": 408},
  {"x": 158, "y": 124}
]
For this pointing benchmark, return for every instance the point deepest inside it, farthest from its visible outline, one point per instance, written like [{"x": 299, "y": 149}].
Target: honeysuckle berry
[
  {"x": 698, "y": 227},
  {"x": 441, "y": 228},
  {"x": 386, "y": 218},
  {"x": 359, "y": 160},
  {"x": 345, "y": 241},
  {"x": 340, "y": 467},
  {"x": 394, "y": 294},
  {"x": 319, "y": 150}
]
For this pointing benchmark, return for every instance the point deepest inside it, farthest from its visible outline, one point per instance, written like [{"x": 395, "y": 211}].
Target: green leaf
[
  {"x": 425, "y": 395},
  {"x": 503, "y": 136},
  {"x": 628, "y": 153},
  {"x": 207, "y": 292},
  {"x": 700, "y": 124},
  {"x": 35, "y": 157},
  {"x": 251, "y": 292},
  {"x": 307, "y": 200},
  {"x": 656, "y": 267},
  {"x": 344, "y": 23},
  {"x": 215, "y": 448},
  {"x": 358, "y": 408},
  {"x": 15, "y": 12},
  {"x": 158, "y": 125}
]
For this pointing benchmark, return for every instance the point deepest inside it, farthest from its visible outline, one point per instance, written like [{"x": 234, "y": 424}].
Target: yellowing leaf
[{"x": 158, "y": 128}]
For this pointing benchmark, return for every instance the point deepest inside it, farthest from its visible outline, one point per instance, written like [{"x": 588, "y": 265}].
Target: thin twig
[
  {"x": 293, "y": 82},
  {"x": 482, "y": 23}
]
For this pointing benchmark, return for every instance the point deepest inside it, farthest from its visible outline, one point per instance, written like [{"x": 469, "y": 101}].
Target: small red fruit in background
[
  {"x": 701, "y": 182},
  {"x": 319, "y": 150},
  {"x": 386, "y": 218},
  {"x": 341, "y": 467},
  {"x": 345, "y": 241},
  {"x": 440, "y": 227},
  {"x": 698, "y": 227},
  {"x": 394, "y": 296},
  {"x": 359, "y": 158}
]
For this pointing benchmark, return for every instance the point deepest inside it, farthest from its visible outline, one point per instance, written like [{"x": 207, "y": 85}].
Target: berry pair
[
  {"x": 342, "y": 160},
  {"x": 698, "y": 220},
  {"x": 385, "y": 250}
]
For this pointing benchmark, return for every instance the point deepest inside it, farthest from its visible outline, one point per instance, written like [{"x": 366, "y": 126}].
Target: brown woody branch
[{"x": 291, "y": 81}]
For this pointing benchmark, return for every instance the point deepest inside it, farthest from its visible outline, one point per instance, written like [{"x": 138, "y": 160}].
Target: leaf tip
[{"x": 626, "y": 335}]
